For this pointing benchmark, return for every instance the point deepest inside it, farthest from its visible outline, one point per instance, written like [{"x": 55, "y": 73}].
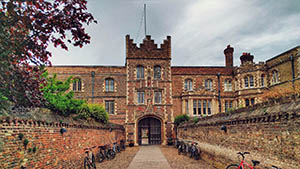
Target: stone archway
[{"x": 149, "y": 131}]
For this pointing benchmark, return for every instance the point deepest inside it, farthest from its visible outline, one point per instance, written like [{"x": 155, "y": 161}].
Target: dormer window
[{"x": 188, "y": 85}]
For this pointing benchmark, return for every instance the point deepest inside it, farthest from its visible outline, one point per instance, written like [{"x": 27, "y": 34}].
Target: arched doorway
[{"x": 149, "y": 131}]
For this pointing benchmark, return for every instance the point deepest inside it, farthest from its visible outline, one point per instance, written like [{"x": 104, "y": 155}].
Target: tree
[{"x": 27, "y": 28}]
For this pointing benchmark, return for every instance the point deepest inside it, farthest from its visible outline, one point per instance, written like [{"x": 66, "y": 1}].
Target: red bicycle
[{"x": 243, "y": 163}]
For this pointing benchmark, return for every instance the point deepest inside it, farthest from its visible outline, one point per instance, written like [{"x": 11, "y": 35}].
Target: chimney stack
[
  {"x": 229, "y": 56},
  {"x": 246, "y": 57}
]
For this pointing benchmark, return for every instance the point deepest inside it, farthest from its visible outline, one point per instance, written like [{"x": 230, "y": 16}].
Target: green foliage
[
  {"x": 21, "y": 136},
  {"x": 95, "y": 111},
  {"x": 34, "y": 149},
  {"x": 181, "y": 118},
  {"x": 3, "y": 101},
  {"x": 26, "y": 141},
  {"x": 58, "y": 98},
  {"x": 29, "y": 150},
  {"x": 195, "y": 119}
]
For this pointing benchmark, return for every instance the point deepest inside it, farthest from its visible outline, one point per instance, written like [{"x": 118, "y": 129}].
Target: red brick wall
[
  {"x": 270, "y": 133},
  {"x": 54, "y": 150}
]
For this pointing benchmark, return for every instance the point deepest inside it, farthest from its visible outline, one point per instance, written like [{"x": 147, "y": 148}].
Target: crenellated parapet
[{"x": 148, "y": 49}]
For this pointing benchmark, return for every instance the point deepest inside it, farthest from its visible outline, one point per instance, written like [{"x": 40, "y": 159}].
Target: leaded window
[
  {"x": 109, "y": 85},
  {"x": 77, "y": 86},
  {"x": 140, "y": 72},
  {"x": 140, "y": 97},
  {"x": 188, "y": 85},
  {"x": 157, "y": 97},
  {"x": 157, "y": 72},
  {"x": 110, "y": 106},
  {"x": 208, "y": 84}
]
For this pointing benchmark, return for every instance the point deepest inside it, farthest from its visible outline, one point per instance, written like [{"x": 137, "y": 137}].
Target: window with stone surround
[
  {"x": 275, "y": 77},
  {"x": 262, "y": 80},
  {"x": 188, "y": 85},
  {"x": 208, "y": 84},
  {"x": 109, "y": 85},
  {"x": 228, "y": 105},
  {"x": 249, "y": 81},
  {"x": 157, "y": 97},
  {"x": 110, "y": 106},
  {"x": 186, "y": 106},
  {"x": 157, "y": 72},
  {"x": 140, "y": 98},
  {"x": 197, "y": 104},
  {"x": 77, "y": 85},
  {"x": 140, "y": 72},
  {"x": 228, "y": 85}
]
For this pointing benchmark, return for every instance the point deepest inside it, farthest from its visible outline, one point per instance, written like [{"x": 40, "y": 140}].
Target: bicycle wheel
[
  {"x": 233, "y": 166},
  {"x": 93, "y": 165},
  {"x": 100, "y": 157},
  {"x": 112, "y": 154},
  {"x": 87, "y": 163}
]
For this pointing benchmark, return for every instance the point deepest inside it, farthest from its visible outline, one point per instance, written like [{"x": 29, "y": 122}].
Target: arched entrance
[{"x": 149, "y": 131}]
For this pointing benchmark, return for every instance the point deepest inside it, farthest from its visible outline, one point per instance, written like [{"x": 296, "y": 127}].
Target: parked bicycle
[
  {"x": 105, "y": 153},
  {"x": 243, "y": 163},
  {"x": 89, "y": 159},
  {"x": 122, "y": 145},
  {"x": 194, "y": 152},
  {"x": 116, "y": 147}
]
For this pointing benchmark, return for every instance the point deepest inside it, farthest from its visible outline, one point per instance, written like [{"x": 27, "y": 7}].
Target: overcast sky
[{"x": 200, "y": 30}]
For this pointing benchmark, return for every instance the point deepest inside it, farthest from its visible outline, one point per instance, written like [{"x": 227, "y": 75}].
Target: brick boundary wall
[
  {"x": 53, "y": 149},
  {"x": 270, "y": 132}
]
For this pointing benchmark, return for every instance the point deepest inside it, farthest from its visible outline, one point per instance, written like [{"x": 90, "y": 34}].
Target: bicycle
[
  {"x": 195, "y": 153},
  {"x": 122, "y": 145},
  {"x": 241, "y": 165},
  {"x": 89, "y": 159}
]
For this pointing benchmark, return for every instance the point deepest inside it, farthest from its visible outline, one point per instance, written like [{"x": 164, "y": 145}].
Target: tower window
[
  {"x": 109, "y": 85},
  {"x": 140, "y": 72},
  {"x": 188, "y": 85},
  {"x": 77, "y": 86},
  {"x": 208, "y": 84},
  {"x": 157, "y": 72}
]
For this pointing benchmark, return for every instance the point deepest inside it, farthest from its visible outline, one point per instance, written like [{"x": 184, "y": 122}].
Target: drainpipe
[
  {"x": 219, "y": 92},
  {"x": 93, "y": 85},
  {"x": 293, "y": 70}
]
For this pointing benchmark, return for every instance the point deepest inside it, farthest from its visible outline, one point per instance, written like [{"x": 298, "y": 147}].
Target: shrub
[
  {"x": 95, "y": 111},
  {"x": 195, "y": 119},
  {"x": 58, "y": 97},
  {"x": 3, "y": 101},
  {"x": 181, "y": 118}
]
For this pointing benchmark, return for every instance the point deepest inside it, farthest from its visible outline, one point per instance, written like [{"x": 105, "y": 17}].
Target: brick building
[{"x": 147, "y": 93}]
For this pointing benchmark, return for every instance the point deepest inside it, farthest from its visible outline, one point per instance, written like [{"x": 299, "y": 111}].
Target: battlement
[{"x": 148, "y": 49}]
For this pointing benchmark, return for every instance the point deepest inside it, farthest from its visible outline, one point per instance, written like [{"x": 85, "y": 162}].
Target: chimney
[
  {"x": 229, "y": 56},
  {"x": 246, "y": 57}
]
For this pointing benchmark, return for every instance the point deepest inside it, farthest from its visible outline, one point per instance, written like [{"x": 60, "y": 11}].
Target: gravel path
[
  {"x": 181, "y": 161},
  {"x": 121, "y": 161}
]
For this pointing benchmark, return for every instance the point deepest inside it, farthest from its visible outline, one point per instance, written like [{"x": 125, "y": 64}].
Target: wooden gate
[{"x": 149, "y": 131}]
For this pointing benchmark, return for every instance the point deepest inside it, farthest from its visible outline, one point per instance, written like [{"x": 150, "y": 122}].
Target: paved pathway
[{"x": 149, "y": 157}]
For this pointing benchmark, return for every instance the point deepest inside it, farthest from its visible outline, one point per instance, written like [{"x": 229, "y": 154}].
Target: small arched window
[
  {"x": 228, "y": 85},
  {"x": 109, "y": 85},
  {"x": 188, "y": 84},
  {"x": 262, "y": 80},
  {"x": 140, "y": 72},
  {"x": 77, "y": 85},
  {"x": 208, "y": 84},
  {"x": 157, "y": 72},
  {"x": 275, "y": 76}
]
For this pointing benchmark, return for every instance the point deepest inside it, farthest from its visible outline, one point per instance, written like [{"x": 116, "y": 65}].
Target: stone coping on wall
[
  {"x": 272, "y": 111},
  {"x": 46, "y": 118}
]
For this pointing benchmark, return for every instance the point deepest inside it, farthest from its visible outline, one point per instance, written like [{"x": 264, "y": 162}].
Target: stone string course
[
  {"x": 53, "y": 149},
  {"x": 270, "y": 132}
]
